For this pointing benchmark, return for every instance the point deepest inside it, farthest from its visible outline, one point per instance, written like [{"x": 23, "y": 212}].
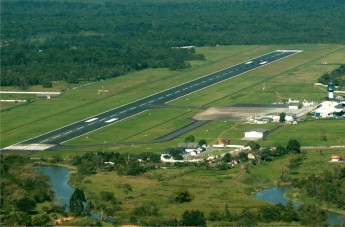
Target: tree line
[
  {"x": 45, "y": 41},
  {"x": 22, "y": 188},
  {"x": 337, "y": 76},
  {"x": 327, "y": 187}
]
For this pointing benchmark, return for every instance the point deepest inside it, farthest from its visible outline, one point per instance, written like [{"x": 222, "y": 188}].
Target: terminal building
[{"x": 329, "y": 109}]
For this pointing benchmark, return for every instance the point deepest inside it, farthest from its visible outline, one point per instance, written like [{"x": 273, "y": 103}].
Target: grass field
[
  {"x": 211, "y": 189},
  {"x": 292, "y": 77}
]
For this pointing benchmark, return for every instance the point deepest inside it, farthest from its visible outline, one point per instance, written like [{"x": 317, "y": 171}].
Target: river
[
  {"x": 62, "y": 189},
  {"x": 59, "y": 181},
  {"x": 276, "y": 195}
]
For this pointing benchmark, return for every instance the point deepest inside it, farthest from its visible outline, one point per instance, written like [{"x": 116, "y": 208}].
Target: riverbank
[
  {"x": 294, "y": 195},
  {"x": 210, "y": 188},
  {"x": 278, "y": 194},
  {"x": 58, "y": 164}
]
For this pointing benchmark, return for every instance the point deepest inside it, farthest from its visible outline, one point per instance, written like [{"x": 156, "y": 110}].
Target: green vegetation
[
  {"x": 223, "y": 197},
  {"x": 22, "y": 189},
  {"x": 204, "y": 185},
  {"x": 76, "y": 203},
  {"x": 73, "y": 46},
  {"x": 105, "y": 39},
  {"x": 44, "y": 115},
  {"x": 327, "y": 187},
  {"x": 337, "y": 76}
]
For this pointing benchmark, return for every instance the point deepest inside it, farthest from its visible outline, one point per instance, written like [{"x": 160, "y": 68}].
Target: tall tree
[
  {"x": 294, "y": 146},
  {"x": 77, "y": 202}
]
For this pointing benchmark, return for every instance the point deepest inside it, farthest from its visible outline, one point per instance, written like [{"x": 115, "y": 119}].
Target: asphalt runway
[{"x": 113, "y": 116}]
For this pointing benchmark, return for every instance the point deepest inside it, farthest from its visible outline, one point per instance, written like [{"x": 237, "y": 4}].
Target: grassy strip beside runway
[{"x": 278, "y": 78}]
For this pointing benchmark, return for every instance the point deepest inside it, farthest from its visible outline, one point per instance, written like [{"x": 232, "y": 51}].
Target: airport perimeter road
[{"x": 61, "y": 135}]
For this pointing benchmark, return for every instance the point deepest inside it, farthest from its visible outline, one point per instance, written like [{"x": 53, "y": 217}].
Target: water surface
[
  {"x": 59, "y": 181},
  {"x": 276, "y": 195}
]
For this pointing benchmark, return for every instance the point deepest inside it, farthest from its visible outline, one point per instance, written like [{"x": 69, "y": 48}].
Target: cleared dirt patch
[{"x": 241, "y": 112}]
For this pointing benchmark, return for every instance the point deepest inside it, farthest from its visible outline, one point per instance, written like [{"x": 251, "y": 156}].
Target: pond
[
  {"x": 276, "y": 195},
  {"x": 59, "y": 181},
  {"x": 63, "y": 191}
]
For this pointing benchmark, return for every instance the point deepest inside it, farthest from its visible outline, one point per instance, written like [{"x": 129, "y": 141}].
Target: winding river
[{"x": 276, "y": 195}]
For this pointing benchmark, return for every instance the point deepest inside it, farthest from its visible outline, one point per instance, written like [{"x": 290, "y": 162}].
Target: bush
[
  {"x": 147, "y": 209},
  {"x": 25, "y": 204},
  {"x": 182, "y": 197},
  {"x": 293, "y": 146},
  {"x": 193, "y": 218}
]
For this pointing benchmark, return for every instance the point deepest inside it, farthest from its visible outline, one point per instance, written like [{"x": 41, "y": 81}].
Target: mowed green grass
[
  {"x": 211, "y": 189},
  {"x": 80, "y": 103},
  {"x": 310, "y": 133},
  {"x": 291, "y": 77}
]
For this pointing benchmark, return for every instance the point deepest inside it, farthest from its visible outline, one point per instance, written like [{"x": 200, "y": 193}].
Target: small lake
[
  {"x": 62, "y": 189},
  {"x": 59, "y": 181},
  {"x": 276, "y": 195}
]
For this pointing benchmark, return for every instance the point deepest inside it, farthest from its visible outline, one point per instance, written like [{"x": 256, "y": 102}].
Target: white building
[
  {"x": 276, "y": 117},
  {"x": 295, "y": 106},
  {"x": 257, "y": 133},
  {"x": 329, "y": 109}
]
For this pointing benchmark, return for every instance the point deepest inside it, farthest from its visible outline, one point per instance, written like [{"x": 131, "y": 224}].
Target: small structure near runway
[
  {"x": 255, "y": 134},
  {"x": 38, "y": 93}
]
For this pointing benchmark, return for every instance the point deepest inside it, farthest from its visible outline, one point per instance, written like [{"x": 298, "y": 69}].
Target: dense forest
[
  {"x": 327, "y": 187},
  {"x": 22, "y": 188},
  {"x": 44, "y": 41},
  {"x": 337, "y": 76}
]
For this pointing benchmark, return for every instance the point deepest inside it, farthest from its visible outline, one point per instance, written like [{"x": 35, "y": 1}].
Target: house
[
  {"x": 263, "y": 120},
  {"x": 336, "y": 158},
  {"x": 169, "y": 158},
  {"x": 276, "y": 117},
  {"x": 251, "y": 156},
  {"x": 188, "y": 147},
  {"x": 295, "y": 106},
  {"x": 109, "y": 163},
  {"x": 223, "y": 142},
  {"x": 257, "y": 133}
]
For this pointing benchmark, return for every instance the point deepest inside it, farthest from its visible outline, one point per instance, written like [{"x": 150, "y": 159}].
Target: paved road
[{"x": 112, "y": 116}]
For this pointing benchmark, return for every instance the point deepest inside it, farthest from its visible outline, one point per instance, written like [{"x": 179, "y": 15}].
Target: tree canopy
[
  {"x": 77, "y": 202},
  {"x": 44, "y": 41}
]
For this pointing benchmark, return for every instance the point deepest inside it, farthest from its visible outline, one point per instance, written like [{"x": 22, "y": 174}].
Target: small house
[
  {"x": 336, "y": 158},
  {"x": 188, "y": 147},
  {"x": 223, "y": 142},
  {"x": 257, "y": 133},
  {"x": 295, "y": 106}
]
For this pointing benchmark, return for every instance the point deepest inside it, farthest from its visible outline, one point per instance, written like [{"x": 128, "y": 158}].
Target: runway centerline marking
[
  {"x": 91, "y": 120},
  {"x": 111, "y": 120}
]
